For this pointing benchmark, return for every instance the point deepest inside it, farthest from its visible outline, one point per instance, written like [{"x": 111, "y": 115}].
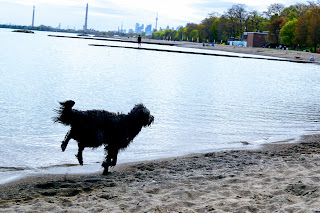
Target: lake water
[{"x": 200, "y": 103}]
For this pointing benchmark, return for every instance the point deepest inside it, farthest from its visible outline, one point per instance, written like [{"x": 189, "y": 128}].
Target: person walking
[{"x": 139, "y": 41}]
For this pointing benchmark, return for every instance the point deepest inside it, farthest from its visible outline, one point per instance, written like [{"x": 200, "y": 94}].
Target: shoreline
[
  {"x": 277, "y": 177},
  {"x": 282, "y": 55},
  {"x": 298, "y": 56}
]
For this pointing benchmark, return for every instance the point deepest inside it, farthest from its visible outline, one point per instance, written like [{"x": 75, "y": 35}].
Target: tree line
[{"x": 296, "y": 26}]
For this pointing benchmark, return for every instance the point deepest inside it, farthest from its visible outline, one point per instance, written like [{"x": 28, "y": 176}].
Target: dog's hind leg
[
  {"x": 79, "y": 155},
  {"x": 111, "y": 159},
  {"x": 106, "y": 168},
  {"x": 66, "y": 140}
]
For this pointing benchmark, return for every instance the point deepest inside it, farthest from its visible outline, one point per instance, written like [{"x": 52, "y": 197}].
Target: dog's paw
[
  {"x": 80, "y": 160},
  {"x": 105, "y": 165},
  {"x": 105, "y": 172}
]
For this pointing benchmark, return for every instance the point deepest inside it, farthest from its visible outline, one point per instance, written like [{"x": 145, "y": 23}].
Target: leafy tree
[
  {"x": 308, "y": 29},
  {"x": 299, "y": 9},
  {"x": 292, "y": 15},
  {"x": 203, "y": 32},
  {"x": 205, "y": 27},
  {"x": 190, "y": 27},
  {"x": 301, "y": 31},
  {"x": 274, "y": 30},
  {"x": 179, "y": 35},
  {"x": 313, "y": 37},
  {"x": 222, "y": 29},
  {"x": 214, "y": 30},
  {"x": 287, "y": 32},
  {"x": 194, "y": 35},
  {"x": 185, "y": 35},
  {"x": 166, "y": 34},
  {"x": 254, "y": 22},
  {"x": 156, "y": 35},
  {"x": 297, "y": 24}
]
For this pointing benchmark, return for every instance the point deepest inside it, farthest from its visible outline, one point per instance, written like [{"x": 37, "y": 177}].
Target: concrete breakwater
[{"x": 200, "y": 53}]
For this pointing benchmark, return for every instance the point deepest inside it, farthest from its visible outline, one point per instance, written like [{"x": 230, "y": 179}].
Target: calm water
[{"x": 200, "y": 103}]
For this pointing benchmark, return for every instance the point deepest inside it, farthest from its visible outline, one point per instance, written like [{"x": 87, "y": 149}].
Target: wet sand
[{"x": 276, "y": 178}]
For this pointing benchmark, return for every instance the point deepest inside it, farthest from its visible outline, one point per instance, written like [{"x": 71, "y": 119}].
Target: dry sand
[
  {"x": 276, "y": 178},
  {"x": 298, "y": 56},
  {"x": 281, "y": 55}
]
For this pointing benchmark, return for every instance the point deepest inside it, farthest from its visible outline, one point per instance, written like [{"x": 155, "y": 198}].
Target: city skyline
[{"x": 110, "y": 15}]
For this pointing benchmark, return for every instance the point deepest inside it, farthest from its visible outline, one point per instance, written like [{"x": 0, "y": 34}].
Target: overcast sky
[{"x": 105, "y": 15}]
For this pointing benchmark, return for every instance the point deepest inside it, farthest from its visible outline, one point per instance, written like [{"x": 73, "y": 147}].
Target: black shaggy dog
[{"x": 93, "y": 128}]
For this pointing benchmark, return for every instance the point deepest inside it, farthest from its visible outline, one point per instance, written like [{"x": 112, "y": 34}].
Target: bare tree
[
  {"x": 275, "y": 9},
  {"x": 253, "y": 20},
  {"x": 237, "y": 15}
]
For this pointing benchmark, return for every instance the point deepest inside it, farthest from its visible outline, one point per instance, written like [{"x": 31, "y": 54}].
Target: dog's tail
[{"x": 64, "y": 113}]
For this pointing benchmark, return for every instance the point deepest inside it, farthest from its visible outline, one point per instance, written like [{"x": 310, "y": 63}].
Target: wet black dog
[{"x": 93, "y": 128}]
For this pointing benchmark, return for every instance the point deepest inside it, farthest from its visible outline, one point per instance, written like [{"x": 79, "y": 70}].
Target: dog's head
[{"x": 142, "y": 115}]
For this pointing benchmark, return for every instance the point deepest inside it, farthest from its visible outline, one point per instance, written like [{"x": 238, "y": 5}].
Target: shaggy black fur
[{"x": 93, "y": 128}]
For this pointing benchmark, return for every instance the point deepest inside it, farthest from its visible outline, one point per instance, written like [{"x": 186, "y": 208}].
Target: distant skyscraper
[
  {"x": 139, "y": 28},
  {"x": 33, "y": 17},
  {"x": 85, "y": 26},
  {"x": 148, "y": 29},
  {"x": 156, "y": 22}
]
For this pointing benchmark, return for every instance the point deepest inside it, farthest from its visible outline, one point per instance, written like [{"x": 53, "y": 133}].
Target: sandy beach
[
  {"x": 279, "y": 54},
  {"x": 288, "y": 54},
  {"x": 298, "y": 56},
  {"x": 276, "y": 178}
]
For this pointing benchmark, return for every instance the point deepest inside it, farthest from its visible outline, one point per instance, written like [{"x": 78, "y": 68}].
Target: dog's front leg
[
  {"x": 66, "y": 140},
  {"x": 79, "y": 155},
  {"x": 114, "y": 158},
  {"x": 107, "y": 162}
]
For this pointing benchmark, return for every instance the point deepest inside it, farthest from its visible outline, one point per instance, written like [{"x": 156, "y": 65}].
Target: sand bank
[
  {"x": 276, "y": 178},
  {"x": 288, "y": 54}
]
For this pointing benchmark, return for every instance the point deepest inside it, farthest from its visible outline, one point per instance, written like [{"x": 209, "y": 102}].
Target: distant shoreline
[{"x": 288, "y": 54}]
